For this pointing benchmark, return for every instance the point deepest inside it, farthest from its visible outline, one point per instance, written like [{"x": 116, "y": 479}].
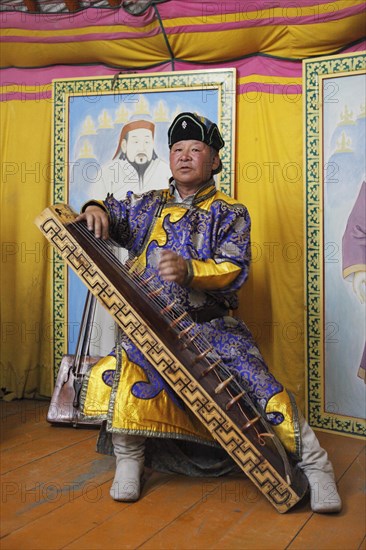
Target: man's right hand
[{"x": 96, "y": 220}]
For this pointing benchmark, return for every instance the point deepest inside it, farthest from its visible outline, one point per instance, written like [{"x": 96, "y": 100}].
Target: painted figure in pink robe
[{"x": 354, "y": 256}]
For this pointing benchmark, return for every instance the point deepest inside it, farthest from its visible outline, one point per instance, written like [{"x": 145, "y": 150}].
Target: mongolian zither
[{"x": 163, "y": 332}]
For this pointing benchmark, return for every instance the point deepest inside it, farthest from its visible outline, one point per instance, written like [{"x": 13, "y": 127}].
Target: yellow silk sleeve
[{"x": 209, "y": 275}]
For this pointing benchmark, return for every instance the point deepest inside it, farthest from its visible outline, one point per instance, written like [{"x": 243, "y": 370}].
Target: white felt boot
[
  {"x": 324, "y": 497},
  {"x": 129, "y": 452}
]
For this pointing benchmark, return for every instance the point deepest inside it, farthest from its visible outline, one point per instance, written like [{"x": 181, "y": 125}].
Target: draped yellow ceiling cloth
[{"x": 265, "y": 42}]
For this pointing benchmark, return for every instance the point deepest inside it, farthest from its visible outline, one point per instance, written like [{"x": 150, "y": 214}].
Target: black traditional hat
[{"x": 193, "y": 126}]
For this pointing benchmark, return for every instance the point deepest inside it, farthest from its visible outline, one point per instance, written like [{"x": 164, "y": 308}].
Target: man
[
  {"x": 136, "y": 165},
  {"x": 198, "y": 241}
]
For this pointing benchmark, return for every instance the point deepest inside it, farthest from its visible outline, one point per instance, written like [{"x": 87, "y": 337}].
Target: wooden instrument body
[
  {"x": 62, "y": 409},
  {"x": 178, "y": 362}
]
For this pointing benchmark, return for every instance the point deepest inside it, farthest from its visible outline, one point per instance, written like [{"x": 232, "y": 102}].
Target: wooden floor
[{"x": 55, "y": 494}]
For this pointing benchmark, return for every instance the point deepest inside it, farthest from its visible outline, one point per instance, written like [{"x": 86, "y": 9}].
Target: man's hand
[
  {"x": 96, "y": 221},
  {"x": 172, "y": 267}
]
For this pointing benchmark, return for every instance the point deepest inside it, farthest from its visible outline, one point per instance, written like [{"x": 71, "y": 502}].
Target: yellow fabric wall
[
  {"x": 270, "y": 183},
  {"x": 26, "y": 338}
]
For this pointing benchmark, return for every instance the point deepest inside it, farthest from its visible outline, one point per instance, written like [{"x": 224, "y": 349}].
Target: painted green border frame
[
  {"x": 313, "y": 71},
  {"x": 222, "y": 80}
]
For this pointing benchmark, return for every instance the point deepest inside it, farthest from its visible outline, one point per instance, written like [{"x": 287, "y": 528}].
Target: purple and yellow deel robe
[{"x": 212, "y": 232}]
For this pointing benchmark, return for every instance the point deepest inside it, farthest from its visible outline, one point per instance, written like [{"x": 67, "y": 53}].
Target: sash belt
[{"x": 206, "y": 314}]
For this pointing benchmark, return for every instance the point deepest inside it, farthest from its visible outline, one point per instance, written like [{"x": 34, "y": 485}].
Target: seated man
[{"x": 197, "y": 240}]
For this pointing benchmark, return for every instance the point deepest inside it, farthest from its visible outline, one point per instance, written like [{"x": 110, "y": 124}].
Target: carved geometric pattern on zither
[
  {"x": 228, "y": 435},
  {"x": 264, "y": 476},
  {"x": 259, "y": 470},
  {"x": 179, "y": 379},
  {"x": 274, "y": 489},
  {"x": 158, "y": 356},
  {"x": 193, "y": 394},
  {"x": 79, "y": 262},
  {"x": 62, "y": 243},
  {"x": 249, "y": 462},
  {"x": 270, "y": 485}
]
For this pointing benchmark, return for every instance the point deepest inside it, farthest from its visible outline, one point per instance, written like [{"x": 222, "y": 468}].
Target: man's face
[
  {"x": 139, "y": 146},
  {"x": 192, "y": 162}
]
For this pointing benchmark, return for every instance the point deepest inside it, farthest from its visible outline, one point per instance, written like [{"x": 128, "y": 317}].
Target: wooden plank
[
  {"x": 344, "y": 530},
  {"x": 17, "y": 433},
  {"x": 74, "y": 518},
  {"x": 233, "y": 515},
  {"x": 136, "y": 523},
  {"x": 341, "y": 450},
  {"x": 221, "y": 510},
  {"x": 35, "y": 489},
  {"x": 26, "y": 421},
  {"x": 30, "y": 445},
  {"x": 24, "y": 408}
]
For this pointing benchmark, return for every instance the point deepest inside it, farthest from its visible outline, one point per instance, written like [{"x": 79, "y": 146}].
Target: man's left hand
[{"x": 172, "y": 267}]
